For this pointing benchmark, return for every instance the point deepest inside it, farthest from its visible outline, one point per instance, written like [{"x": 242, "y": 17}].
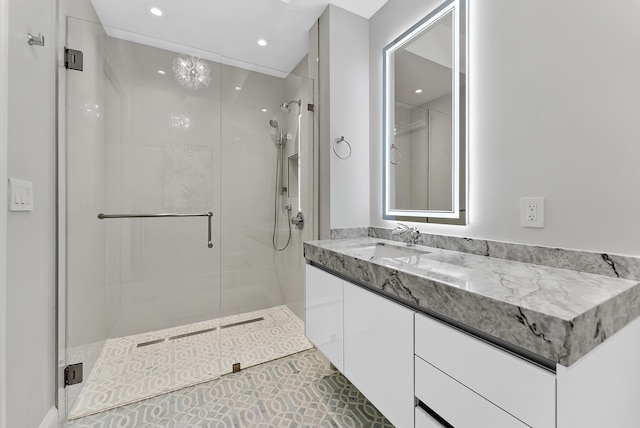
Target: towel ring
[
  {"x": 338, "y": 141},
  {"x": 398, "y": 155}
]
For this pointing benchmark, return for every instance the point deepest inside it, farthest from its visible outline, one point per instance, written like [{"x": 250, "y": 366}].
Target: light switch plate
[{"x": 20, "y": 195}]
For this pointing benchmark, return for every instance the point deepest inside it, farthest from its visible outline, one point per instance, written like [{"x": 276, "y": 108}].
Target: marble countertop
[{"x": 557, "y": 314}]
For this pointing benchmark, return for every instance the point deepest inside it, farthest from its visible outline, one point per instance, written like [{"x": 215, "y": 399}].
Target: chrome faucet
[{"x": 412, "y": 233}]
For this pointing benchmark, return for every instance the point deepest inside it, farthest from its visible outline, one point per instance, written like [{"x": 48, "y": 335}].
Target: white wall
[
  {"x": 4, "y": 107},
  {"x": 30, "y": 235},
  {"x": 553, "y": 113},
  {"x": 344, "y": 68},
  {"x": 323, "y": 109}
]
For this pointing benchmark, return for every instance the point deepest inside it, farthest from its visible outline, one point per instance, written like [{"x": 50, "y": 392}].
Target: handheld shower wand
[
  {"x": 274, "y": 124},
  {"x": 280, "y": 140}
]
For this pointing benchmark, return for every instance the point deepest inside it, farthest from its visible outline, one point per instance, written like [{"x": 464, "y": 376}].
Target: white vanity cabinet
[
  {"x": 368, "y": 338},
  {"x": 498, "y": 389},
  {"x": 324, "y": 309},
  {"x": 396, "y": 357},
  {"x": 378, "y": 352}
]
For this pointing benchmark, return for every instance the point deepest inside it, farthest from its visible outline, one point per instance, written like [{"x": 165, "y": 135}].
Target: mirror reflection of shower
[{"x": 281, "y": 139}]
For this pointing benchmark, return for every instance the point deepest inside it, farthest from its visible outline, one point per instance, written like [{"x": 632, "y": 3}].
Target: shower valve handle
[{"x": 298, "y": 220}]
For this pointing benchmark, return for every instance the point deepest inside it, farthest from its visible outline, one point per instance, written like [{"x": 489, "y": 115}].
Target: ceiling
[
  {"x": 226, "y": 30},
  {"x": 415, "y": 72}
]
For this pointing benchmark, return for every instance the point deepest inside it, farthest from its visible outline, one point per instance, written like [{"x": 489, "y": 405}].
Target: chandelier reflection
[
  {"x": 181, "y": 122},
  {"x": 192, "y": 72}
]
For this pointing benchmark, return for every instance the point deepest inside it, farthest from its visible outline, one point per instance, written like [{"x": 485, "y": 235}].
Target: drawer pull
[{"x": 424, "y": 413}]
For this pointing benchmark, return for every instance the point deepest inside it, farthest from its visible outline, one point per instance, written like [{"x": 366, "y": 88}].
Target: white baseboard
[{"x": 51, "y": 419}]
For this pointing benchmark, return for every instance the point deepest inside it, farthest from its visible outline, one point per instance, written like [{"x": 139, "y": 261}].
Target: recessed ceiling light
[
  {"x": 237, "y": 88},
  {"x": 418, "y": 91},
  {"x": 262, "y": 42},
  {"x": 162, "y": 72},
  {"x": 264, "y": 110},
  {"x": 155, "y": 11}
]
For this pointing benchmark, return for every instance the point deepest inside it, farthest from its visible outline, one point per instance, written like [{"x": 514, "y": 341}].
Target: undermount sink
[{"x": 382, "y": 250}]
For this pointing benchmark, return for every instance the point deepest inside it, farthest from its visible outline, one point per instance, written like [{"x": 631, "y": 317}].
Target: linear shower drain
[{"x": 193, "y": 333}]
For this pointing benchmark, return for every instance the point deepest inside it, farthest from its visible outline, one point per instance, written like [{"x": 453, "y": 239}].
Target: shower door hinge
[
  {"x": 310, "y": 107},
  {"x": 72, "y": 59},
  {"x": 73, "y": 374}
]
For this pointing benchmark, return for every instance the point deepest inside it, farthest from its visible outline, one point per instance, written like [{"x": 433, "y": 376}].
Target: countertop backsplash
[{"x": 616, "y": 266}]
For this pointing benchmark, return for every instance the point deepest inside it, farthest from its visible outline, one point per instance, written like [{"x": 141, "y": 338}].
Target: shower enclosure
[{"x": 173, "y": 256}]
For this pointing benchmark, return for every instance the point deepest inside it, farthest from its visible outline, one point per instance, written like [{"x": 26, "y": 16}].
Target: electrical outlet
[{"x": 532, "y": 212}]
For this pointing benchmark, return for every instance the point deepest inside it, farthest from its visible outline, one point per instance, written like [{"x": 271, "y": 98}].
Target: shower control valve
[{"x": 298, "y": 220}]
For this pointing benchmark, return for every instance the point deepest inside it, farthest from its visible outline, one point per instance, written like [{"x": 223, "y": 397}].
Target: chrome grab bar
[{"x": 102, "y": 216}]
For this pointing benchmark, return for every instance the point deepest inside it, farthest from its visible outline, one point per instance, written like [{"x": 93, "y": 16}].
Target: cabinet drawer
[
  {"x": 424, "y": 420},
  {"x": 515, "y": 385},
  {"x": 457, "y": 404}
]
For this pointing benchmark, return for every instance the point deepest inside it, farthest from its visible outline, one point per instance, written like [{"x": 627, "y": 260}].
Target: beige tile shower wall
[
  {"x": 166, "y": 158},
  {"x": 159, "y": 272},
  {"x": 251, "y": 270}
]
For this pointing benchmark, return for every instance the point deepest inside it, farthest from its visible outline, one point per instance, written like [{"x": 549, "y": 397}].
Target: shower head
[
  {"x": 274, "y": 125},
  {"x": 285, "y": 106}
]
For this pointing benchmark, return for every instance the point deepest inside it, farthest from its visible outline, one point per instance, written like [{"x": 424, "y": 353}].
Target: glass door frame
[{"x": 63, "y": 116}]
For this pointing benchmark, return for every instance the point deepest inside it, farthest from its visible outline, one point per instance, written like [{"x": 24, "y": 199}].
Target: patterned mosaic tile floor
[
  {"x": 296, "y": 391},
  {"x": 125, "y": 373}
]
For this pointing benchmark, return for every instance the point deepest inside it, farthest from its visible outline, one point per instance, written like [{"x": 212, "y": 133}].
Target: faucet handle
[{"x": 400, "y": 228}]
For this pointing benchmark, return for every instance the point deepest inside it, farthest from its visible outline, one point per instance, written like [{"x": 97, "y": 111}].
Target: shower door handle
[{"x": 209, "y": 215}]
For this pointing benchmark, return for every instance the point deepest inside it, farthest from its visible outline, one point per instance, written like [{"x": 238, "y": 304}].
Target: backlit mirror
[{"x": 425, "y": 119}]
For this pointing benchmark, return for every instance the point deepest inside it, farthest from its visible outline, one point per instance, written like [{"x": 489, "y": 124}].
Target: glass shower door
[
  {"x": 266, "y": 135},
  {"x": 143, "y": 280}
]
